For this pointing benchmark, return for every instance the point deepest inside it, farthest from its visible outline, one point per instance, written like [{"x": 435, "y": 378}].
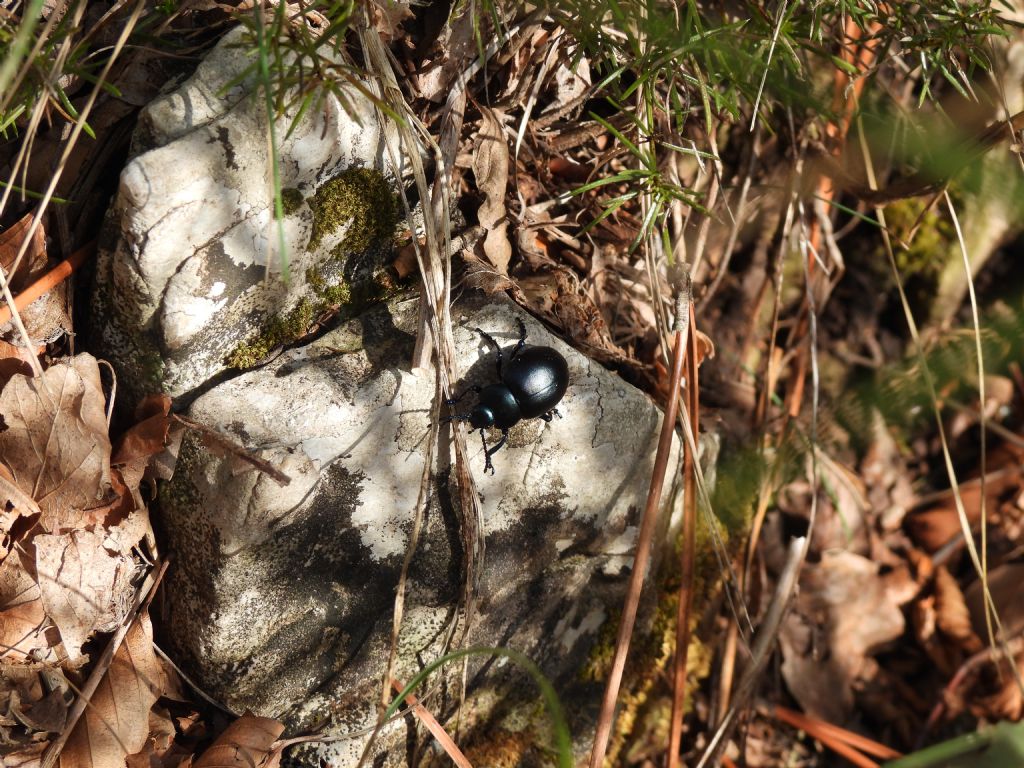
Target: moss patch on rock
[
  {"x": 291, "y": 200},
  {"x": 329, "y": 295},
  {"x": 281, "y": 330},
  {"x": 361, "y": 198}
]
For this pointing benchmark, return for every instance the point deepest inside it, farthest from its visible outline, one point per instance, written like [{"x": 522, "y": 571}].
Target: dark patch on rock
[
  {"x": 224, "y": 137},
  {"x": 218, "y": 267}
]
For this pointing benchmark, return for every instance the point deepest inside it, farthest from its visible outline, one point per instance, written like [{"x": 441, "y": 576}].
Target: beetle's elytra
[{"x": 529, "y": 386}]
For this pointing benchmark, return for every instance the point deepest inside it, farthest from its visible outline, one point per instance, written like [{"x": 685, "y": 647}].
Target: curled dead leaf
[
  {"x": 148, "y": 435},
  {"x": 387, "y": 16},
  {"x": 951, "y": 613},
  {"x": 246, "y": 743},
  {"x": 11, "y": 241}
]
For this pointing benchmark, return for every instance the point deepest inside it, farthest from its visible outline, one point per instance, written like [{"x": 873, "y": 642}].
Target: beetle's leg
[
  {"x": 493, "y": 449},
  {"x": 497, "y": 348},
  {"x": 522, "y": 338},
  {"x": 551, "y": 414},
  {"x": 487, "y": 453}
]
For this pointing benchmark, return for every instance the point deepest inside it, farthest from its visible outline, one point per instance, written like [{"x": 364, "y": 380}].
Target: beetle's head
[{"x": 481, "y": 417}]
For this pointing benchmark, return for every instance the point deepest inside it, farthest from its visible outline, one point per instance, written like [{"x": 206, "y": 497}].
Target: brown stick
[
  {"x": 436, "y": 729},
  {"x": 817, "y": 728},
  {"x": 687, "y": 552},
  {"x": 234, "y": 448},
  {"x": 643, "y": 545},
  {"x": 46, "y": 283}
]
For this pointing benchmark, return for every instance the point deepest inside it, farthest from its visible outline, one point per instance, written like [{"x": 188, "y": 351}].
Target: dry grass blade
[
  {"x": 643, "y": 546},
  {"x": 976, "y": 560},
  {"x": 767, "y": 633},
  {"x": 435, "y": 269},
  {"x": 687, "y": 551},
  {"x": 436, "y": 729},
  {"x": 982, "y": 423}
]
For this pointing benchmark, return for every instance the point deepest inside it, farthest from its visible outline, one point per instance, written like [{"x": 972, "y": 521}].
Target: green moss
[
  {"x": 928, "y": 251},
  {"x": 291, "y": 200},
  {"x": 281, "y": 330},
  {"x": 329, "y": 295},
  {"x": 361, "y": 198}
]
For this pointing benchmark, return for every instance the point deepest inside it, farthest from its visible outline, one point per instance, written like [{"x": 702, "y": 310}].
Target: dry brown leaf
[
  {"x": 457, "y": 44},
  {"x": 21, "y": 612},
  {"x": 571, "y": 83},
  {"x": 56, "y": 444},
  {"x": 116, "y": 723},
  {"x": 843, "y": 614},
  {"x": 387, "y": 17},
  {"x": 148, "y": 435},
  {"x": 1004, "y": 587},
  {"x": 245, "y": 743},
  {"x": 82, "y": 584},
  {"x": 484, "y": 277},
  {"x": 160, "y": 750},
  {"x": 490, "y": 167},
  {"x": 15, "y": 503},
  {"x": 11, "y": 240},
  {"x": 951, "y": 612},
  {"x": 28, "y": 756}
]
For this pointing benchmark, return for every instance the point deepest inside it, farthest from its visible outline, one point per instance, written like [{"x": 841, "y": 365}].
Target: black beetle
[{"x": 530, "y": 387}]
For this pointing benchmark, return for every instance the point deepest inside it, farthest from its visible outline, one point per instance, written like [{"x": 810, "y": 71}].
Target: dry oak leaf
[
  {"x": 83, "y": 585},
  {"x": 116, "y": 723},
  {"x": 56, "y": 444},
  {"x": 21, "y": 613},
  {"x": 246, "y": 743}
]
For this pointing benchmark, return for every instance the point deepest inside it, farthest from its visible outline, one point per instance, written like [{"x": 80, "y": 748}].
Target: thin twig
[
  {"x": 47, "y": 282},
  {"x": 241, "y": 452},
  {"x": 687, "y": 552},
  {"x": 763, "y": 644},
  {"x": 436, "y": 729},
  {"x": 643, "y": 546},
  {"x": 817, "y": 728}
]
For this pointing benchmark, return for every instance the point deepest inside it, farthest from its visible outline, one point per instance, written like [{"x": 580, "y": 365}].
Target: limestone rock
[
  {"x": 189, "y": 270},
  {"x": 281, "y": 598}
]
